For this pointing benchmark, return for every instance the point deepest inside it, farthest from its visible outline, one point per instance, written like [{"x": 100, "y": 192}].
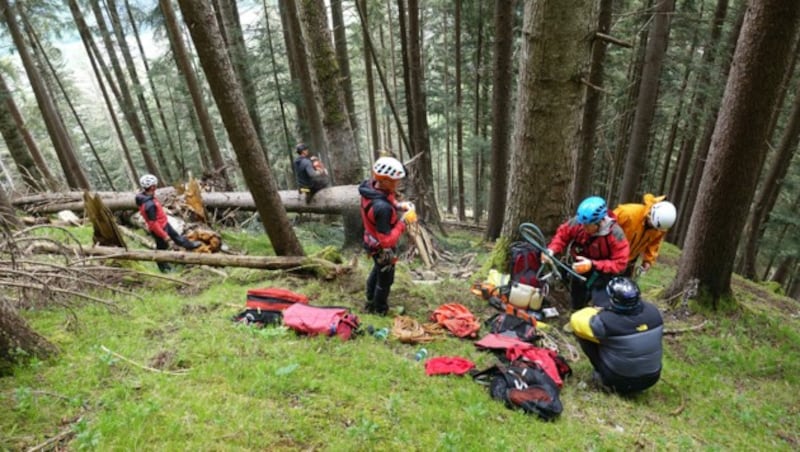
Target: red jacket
[
  {"x": 608, "y": 250},
  {"x": 153, "y": 214},
  {"x": 379, "y": 215}
]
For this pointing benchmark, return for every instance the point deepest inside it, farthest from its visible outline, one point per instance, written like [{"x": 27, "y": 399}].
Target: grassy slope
[{"x": 731, "y": 384}]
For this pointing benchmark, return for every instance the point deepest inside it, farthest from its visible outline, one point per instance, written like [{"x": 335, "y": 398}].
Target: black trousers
[
  {"x": 580, "y": 294},
  {"x": 162, "y": 244},
  {"x": 618, "y": 383},
  {"x": 379, "y": 284}
]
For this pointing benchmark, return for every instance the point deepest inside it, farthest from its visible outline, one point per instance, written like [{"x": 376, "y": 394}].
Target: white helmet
[
  {"x": 662, "y": 215},
  {"x": 388, "y": 168},
  {"x": 147, "y": 181}
]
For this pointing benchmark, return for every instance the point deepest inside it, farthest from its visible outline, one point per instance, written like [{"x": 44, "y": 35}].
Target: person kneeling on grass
[
  {"x": 156, "y": 219},
  {"x": 622, "y": 341}
]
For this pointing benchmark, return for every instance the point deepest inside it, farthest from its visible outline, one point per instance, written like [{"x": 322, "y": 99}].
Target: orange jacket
[{"x": 644, "y": 239}]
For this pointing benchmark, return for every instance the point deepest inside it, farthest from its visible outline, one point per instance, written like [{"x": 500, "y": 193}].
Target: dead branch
[
  {"x": 142, "y": 366},
  {"x": 287, "y": 263},
  {"x": 613, "y": 40},
  {"x": 687, "y": 329}
]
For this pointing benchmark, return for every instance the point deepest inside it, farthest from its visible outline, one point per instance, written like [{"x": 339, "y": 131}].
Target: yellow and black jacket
[{"x": 629, "y": 342}]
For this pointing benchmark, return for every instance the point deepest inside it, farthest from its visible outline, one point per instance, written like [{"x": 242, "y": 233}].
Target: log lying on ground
[
  {"x": 300, "y": 264},
  {"x": 331, "y": 200}
]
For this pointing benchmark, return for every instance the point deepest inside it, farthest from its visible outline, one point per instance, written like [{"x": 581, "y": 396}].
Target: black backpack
[
  {"x": 523, "y": 385},
  {"x": 524, "y": 263}
]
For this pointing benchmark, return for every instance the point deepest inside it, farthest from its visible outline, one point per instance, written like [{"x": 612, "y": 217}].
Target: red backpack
[
  {"x": 313, "y": 320},
  {"x": 524, "y": 263}
]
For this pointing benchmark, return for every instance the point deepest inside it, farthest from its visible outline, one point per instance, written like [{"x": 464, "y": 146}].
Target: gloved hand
[
  {"x": 582, "y": 265},
  {"x": 406, "y": 206},
  {"x": 642, "y": 269},
  {"x": 547, "y": 256},
  {"x": 410, "y": 216}
]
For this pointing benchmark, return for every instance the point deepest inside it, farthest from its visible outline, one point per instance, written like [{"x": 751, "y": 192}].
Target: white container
[{"x": 525, "y": 297}]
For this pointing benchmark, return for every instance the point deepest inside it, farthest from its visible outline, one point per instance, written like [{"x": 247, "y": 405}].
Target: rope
[{"x": 533, "y": 235}]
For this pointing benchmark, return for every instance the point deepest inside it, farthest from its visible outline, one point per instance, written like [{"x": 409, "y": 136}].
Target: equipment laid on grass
[
  {"x": 265, "y": 306},
  {"x": 314, "y": 320},
  {"x": 523, "y": 385}
]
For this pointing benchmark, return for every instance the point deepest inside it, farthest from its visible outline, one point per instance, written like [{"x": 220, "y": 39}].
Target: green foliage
[{"x": 222, "y": 386}]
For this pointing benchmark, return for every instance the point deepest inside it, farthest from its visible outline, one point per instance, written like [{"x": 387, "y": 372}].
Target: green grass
[{"x": 730, "y": 385}]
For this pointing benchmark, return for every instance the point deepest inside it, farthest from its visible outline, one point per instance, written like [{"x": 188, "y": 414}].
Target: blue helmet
[
  {"x": 624, "y": 293},
  {"x": 592, "y": 210}
]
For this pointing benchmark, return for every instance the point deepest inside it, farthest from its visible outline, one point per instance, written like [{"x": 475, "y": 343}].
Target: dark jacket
[
  {"x": 382, "y": 226},
  {"x": 304, "y": 171},
  {"x": 630, "y": 342}
]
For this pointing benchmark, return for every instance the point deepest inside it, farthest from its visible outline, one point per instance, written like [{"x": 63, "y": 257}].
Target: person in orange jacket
[{"x": 645, "y": 227}]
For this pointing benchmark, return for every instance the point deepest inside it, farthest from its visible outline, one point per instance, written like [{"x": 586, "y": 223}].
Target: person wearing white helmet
[
  {"x": 156, "y": 219},
  {"x": 645, "y": 226},
  {"x": 383, "y": 226}
]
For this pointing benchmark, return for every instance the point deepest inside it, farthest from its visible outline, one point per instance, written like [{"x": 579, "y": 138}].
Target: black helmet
[
  {"x": 300, "y": 147},
  {"x": 624, "y": 293}
]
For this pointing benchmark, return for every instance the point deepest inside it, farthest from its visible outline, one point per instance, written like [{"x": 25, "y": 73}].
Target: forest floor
[{"x": 164, "y": 368}]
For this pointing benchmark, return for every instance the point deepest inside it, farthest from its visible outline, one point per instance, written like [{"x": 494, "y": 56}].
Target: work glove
[
  {"x": 582, "y": 265},
  {"x": 410, "y": 216},
  {"x": 547, "y": 256},
  {"x": 406, "y": 206}
]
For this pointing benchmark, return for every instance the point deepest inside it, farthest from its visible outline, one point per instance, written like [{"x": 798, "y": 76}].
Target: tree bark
[
  {"x": 184, "y": 64},
  {"x": 73, "y": 172},
  {"x": 762, "y": 55},
  {"x": 554, "y": 56},
  {"x": 199, "y": 17},
  {"x": 646, "y": 102},
  {"x": 331, "y": 200},
  {"x": 582, "y": 186},
  {"x": 501, "y": 114}
]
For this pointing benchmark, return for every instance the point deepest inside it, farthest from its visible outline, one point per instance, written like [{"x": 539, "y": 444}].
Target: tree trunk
[
  {"x": 237, "y": 50},
  {"x": 73, "y": 172},
  {"x": 646, "y": 102},
  {"x": 762, "y": 55},
  {"x": 460, "y": 196},
  {"x": 7, "y": 218},
  {"x": 130, "y": 66},
  {"x": 770, "y": 187},
  {"x": 373, "y": 116},
  {"x": 173, "y": 149},
  {"x": 126, "y": 101},
  {"x": 297, "y": 46},
  {"x": 203, "y": 27},
  {"x": 554, "y": 56},
  {"x": 345, "y": 161},
  {"x": 582, "y": 186},
  {"x": 16, "y": 335},
  {"x": 690, "y": 187},
  {"x": 95, "y": 59},
  {"x": 501, "y": 114},
  {"x": 477, "y": 156},
  {"x": 332, "y": 200},
  {"x": 421, "y": 175},
  {"x": 184, "y": 64},
  {"x": 15, "y": 142},
  {"x": 343, "y": 59}
]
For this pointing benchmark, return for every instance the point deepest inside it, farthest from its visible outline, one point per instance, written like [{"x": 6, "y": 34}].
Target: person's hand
[
  {"x": 642, "y": 269},
  {"x": 582, "y": 265},
  {"x": 547, "y": 256},
  {"x": 406, "y": 206}
]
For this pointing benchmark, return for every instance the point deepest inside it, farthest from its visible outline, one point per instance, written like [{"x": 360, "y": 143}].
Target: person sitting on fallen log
[{"x": 156, "y": 219}]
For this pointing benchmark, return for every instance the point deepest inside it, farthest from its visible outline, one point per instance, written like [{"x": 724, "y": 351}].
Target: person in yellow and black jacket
[
  {"x": 645, "y": 227},
  {"x": 623, "y": 341}
]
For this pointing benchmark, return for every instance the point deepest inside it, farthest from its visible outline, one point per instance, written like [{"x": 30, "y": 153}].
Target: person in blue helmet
[
  {"x": 623, "y": 341},
  {"x": 597, "y": 247}
]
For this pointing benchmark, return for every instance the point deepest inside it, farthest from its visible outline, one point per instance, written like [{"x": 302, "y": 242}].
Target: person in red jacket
[
  {"x": 598, "y": 248},
  {"x": 156, "y": 219},
  {"x": 383, "y": 227}
]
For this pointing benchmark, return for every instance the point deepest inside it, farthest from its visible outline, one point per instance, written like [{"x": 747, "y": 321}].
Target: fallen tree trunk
[
  {"x": 331, "y": 200},
  {"x": 300, "y": 264}
]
